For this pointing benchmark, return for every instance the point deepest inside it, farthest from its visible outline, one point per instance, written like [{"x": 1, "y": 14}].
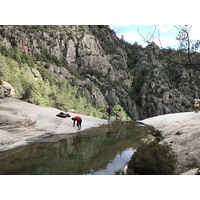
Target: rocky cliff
[{"x": 108, "y": 70}]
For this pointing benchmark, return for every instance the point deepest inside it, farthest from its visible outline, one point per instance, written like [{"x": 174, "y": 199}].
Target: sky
[{"x": 164, "y": 35}]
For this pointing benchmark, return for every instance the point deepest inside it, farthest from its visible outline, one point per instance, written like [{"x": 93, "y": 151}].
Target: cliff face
[
  {"x": 168, "y": 87},
  {"x": 82, "y": 52},
  {"x": 107, "y": 69}
]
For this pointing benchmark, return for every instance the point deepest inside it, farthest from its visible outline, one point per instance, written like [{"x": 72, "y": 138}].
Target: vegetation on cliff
[{"x": 15, "y": 68}]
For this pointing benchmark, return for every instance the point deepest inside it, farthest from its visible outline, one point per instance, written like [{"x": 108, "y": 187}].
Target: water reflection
[
  {"x": 101, "y": 150},
  {"x": 118, "y": 163}
]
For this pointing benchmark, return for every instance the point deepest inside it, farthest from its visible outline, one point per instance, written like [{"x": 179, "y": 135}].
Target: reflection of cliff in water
[{"x": 74, "y": 154}]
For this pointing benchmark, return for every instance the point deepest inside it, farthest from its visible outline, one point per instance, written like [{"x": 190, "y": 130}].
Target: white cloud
[
  {"x": 195, "y": 32},
  {"x": 163, "y": 28},
  {"x": 164, "y": 34},
  {"x": 166, "y": 42},
  {"x": 130, "y": 36},
  {"x": 133, "y": 36}
]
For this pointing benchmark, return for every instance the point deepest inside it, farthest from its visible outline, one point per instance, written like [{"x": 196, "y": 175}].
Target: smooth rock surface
[
  {"x": 182, "y": 131},
  {"x": 22, "y": 123}
]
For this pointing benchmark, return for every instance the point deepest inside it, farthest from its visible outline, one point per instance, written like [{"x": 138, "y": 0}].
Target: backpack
[
  {"x": 67, "y": 115},
  {"x": 63, "y": 115}
]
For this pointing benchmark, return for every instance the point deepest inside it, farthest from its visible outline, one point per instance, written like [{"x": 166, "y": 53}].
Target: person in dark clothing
[
  {"x": 78, "y": 121},
  {"x": 109, "y": 111}
]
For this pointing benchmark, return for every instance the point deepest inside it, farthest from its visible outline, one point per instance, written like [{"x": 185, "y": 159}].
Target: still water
[{"x": 97, "y": 151}]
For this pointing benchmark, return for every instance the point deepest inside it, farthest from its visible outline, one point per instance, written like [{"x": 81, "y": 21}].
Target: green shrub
[
  {"x": 153, "y": 159},
  {"x": 157, "y": 134}
]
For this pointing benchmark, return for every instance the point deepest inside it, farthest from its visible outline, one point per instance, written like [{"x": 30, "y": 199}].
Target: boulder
[{"x": 6, "y": 90}]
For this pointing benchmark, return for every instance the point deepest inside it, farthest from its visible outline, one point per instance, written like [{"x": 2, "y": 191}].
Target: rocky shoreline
[
  {"x": 182, "y": 132},
  {"x": 23, "y": 123}
]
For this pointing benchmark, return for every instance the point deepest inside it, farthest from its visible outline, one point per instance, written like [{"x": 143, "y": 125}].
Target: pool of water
[
  {"x": 117, "y": 164},
  {"x": 97, "y": 151}
]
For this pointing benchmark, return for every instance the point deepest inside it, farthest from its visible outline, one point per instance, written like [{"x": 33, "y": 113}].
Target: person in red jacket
[{"x": 78, "y": 121}]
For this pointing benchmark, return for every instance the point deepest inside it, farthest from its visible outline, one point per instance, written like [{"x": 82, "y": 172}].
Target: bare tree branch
[
  {"x": 151, "y": 35},
  {"x": 146, "y": 41},
  {"x": 186, "y": 44},
  {"x": 159, "y": 39}
]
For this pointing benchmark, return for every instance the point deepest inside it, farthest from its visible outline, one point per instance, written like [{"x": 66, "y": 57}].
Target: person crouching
[{"x": 78, "y": 121}]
